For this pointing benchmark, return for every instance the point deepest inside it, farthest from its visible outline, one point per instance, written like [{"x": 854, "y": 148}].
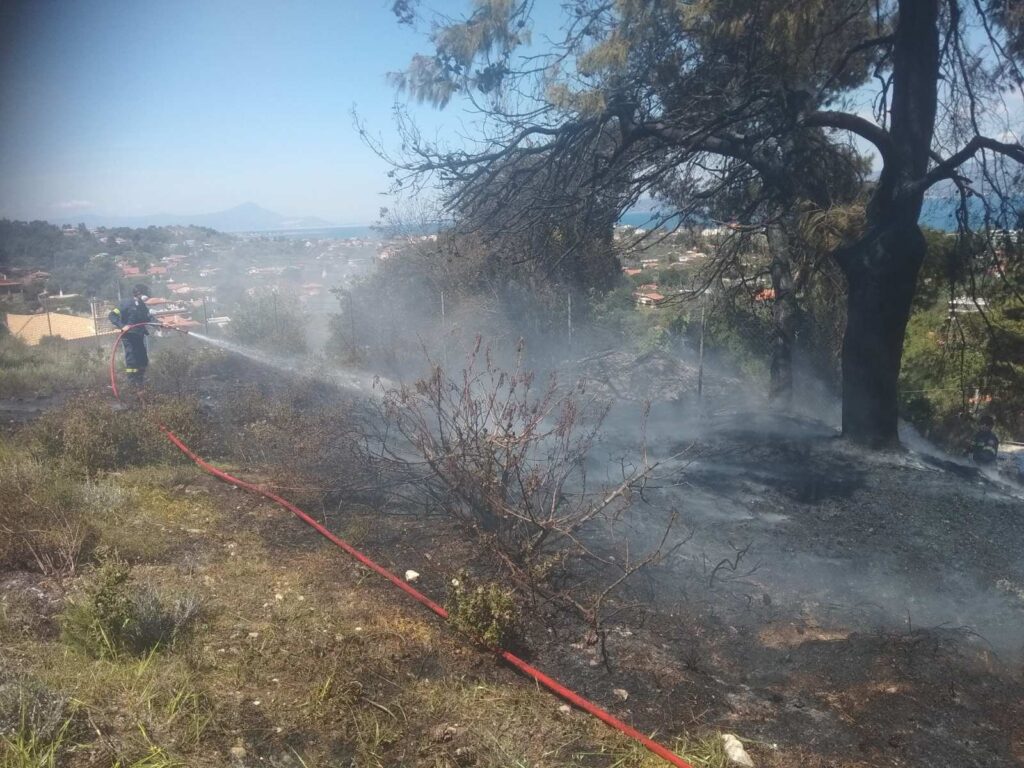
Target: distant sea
[
  {"x": 361, "y": 231},
  {"x": 937, "y": 213}
]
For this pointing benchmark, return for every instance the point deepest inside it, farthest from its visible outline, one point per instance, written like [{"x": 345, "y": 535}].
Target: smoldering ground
[
  {"x": 775, "y": 513},
  {"x": 773, "y": 509}
]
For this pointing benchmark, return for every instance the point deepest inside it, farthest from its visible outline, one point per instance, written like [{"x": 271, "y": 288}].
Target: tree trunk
[
  {"x": 881, "y": 271},
  {"x": 784, "y": 317},
  {"x": 881, "y": 268}
]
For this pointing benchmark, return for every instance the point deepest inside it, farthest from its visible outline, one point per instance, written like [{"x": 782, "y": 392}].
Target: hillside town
[{"x": 192, "y": 281}]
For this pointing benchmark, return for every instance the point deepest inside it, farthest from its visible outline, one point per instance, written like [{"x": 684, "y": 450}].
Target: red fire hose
[{"x": 527, "y": 669}]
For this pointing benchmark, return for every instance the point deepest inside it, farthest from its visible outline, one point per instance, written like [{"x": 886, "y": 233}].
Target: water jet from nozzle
[{"x": 340, "y": 377}]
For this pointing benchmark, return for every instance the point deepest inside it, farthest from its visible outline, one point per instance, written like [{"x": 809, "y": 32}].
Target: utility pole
[
  {"x": 352, "y": 322},
  {"x": 206, "y": 318},
  {"x": 444, "y": 333},
  {"x": 700, "y": 365},
  {"x": 569, "y": 313}
]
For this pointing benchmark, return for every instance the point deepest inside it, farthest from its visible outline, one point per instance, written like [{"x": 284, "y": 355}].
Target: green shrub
[
  {"x": 488, "y": 613},
  {"x": 114, "y": 615},
  {"x": 90, "y": 434}
]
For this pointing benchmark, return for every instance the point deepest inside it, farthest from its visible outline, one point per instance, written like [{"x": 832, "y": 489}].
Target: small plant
[
  {"x": 114, "y": 615},
  {"x": 36, "y": 724},
  {"x": 486, "y": 612}
]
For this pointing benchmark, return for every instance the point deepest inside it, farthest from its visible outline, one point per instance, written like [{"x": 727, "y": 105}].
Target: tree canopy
[{"x": 687, "y": 102}]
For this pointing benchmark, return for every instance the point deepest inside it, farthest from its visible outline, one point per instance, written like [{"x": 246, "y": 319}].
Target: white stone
[
  {"x": 238, "y": 753},
  {"x": 620, "y": 693},
  {"x": 735, "y": 752},
  {"x": 412, "y": 576}
]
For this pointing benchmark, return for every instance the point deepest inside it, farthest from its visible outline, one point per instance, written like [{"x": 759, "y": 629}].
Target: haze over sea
[{"x": 937, "y": 213}]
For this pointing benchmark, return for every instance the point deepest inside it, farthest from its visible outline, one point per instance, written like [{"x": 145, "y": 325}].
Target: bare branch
[
  {"x": 844, "y": 121},
  {"x": 946, "y": 168}
]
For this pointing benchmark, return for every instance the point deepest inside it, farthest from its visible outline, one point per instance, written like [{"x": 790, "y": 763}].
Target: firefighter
[
  {"x": 133, "y": 311},
  {"x": 985, "y": 448}
]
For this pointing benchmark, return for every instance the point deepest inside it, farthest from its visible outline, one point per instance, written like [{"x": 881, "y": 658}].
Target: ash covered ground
[
  {"x": 862, "y": 608},
  {"x": 794, "y": 518}
]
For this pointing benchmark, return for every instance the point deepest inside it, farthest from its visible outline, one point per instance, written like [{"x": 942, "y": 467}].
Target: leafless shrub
[{"x": 507, "y": 458}]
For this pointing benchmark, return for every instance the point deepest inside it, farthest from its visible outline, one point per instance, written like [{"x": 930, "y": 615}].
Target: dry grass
[
  {"x": 298, "y": 659},
  {"x": 45, "y": 516},
  {"x": 48, "y": 368}
]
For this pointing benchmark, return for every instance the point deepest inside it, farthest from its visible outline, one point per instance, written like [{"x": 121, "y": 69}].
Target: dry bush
[
  {"x": 90, "y": 435},
  {"x": 179, "y": 366},
  {"x": 47, "y": 368},
  {"x": 507, "y": 459},
  {"x": 44, "y": 518},
  {"x": 307, "y": 442}
]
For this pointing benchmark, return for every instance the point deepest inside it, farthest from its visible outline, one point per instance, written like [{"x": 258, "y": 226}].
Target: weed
[
  {"x": 706, "y": 751},
  {"x": 47, "y": 368},
  {"x": 488, "y": 613},
  {"x": 27, "y": 749},
  {"x": 31, "y": 711},
  {"x": 44, "y": 517},
  {"x": 114, "y": 615}
]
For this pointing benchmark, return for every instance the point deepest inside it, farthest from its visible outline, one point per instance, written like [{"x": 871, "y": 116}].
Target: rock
[
  {"x": 620, "y": 693},
  {"x": 443, "y": 733},
  {"x": 735, "y": 752},
  {"x": 238, "y": 753},
  {"x": 412, "y": 576},
  {"x": 565, "y": 709}
]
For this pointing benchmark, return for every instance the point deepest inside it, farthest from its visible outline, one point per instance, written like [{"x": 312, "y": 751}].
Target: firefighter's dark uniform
[{"x": 136, "y": 360}]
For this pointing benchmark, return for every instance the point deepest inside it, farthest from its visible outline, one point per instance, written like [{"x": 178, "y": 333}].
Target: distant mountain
[{"x": 247, "y": 217}]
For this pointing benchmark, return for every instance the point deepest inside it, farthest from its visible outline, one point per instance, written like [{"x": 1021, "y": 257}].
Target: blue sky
[
  {"x": 134, "y": 107},
  {"x": 179, "y": 106}
]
